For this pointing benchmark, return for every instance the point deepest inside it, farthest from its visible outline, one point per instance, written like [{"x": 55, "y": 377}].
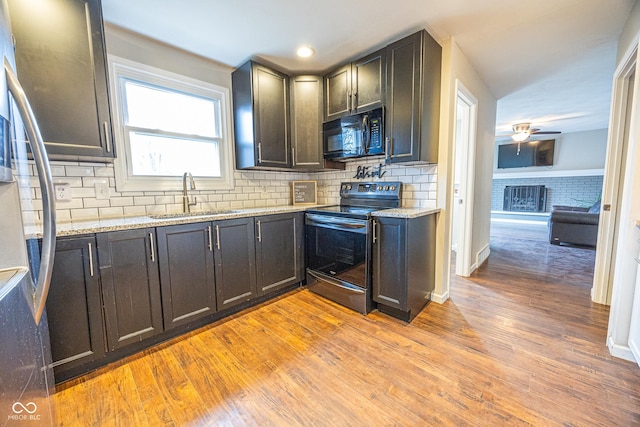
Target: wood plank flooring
[{"x": 519, "y": 343}]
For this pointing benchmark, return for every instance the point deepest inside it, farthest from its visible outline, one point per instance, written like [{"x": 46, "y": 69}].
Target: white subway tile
[
  {"x": 121, "y": 201},
  {"x": 144, "y": 200},
  {"x": 90, "y": 213},
  {"x": 111, "y": 212},
  {"x": 95, "y": 203},
  {"x": 107, "y": 171},
  {"x": 79, "y": 171}
]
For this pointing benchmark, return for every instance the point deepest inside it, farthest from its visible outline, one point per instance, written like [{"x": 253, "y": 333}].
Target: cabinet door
[
  {"x": 130, "y": 286},
  {"x": 368, "y": 82},
  {"x": 271, "y": 111},
  {"x": 306, "y": 122},
  {"x": 389, "y": 263},
  {"x": 337, "y": 93},
  {"x": 234, "y": 254},
  {"x": 402, "y": 120},
  {"x": 279, "y": 254},
  {"x": 74, "y": 307},
  {"x": 60, "y": 60},
  {"x": 185, "y": 256}
]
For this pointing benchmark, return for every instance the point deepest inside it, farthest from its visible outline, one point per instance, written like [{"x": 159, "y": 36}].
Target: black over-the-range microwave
[{"x": 354, "y": 136}]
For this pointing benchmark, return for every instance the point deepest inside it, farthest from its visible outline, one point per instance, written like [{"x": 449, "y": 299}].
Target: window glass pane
[
  {"x": 152, "y": 107},
  {"x": 158, "y": 155}
]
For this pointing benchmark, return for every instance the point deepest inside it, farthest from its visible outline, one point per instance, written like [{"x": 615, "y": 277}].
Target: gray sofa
[{"x": 574, "y": 225}]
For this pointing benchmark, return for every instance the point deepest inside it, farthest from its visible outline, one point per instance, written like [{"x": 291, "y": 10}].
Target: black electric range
[{"x": 339, "y": 242}]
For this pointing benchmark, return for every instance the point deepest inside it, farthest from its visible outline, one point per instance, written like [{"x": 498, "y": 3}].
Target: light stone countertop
[
  {"x": 405, "y": 212},
  {"x": 75, "y": 228}
]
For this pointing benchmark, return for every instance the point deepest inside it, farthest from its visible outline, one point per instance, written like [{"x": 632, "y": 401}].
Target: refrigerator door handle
[{"x": 46, "y": 184}]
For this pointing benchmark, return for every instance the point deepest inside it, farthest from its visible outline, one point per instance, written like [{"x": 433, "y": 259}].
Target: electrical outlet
[
  {"x": 62, "y": 191},
  {"x": 102, "y": 190}
]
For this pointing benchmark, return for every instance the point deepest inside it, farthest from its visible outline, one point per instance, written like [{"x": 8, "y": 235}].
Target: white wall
[
  {"x": 455, "y": 66},
  {"x": 624, "y": 273},
  {"x": 576, "y": 151}
]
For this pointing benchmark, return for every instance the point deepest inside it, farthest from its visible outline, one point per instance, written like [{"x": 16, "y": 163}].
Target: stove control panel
[{"x": 370, "y": 189}]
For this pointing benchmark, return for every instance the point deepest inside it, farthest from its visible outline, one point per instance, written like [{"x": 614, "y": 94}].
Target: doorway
[{"x": 464, "y": 153}]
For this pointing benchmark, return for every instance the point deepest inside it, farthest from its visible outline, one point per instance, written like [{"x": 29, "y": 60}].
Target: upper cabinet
[
  {"x": 261, "y": 117},
  {"x": 412, "y": 99},
  {"x": 355, "y": 87},
  {"x": 60, "y": 60},
  {"x": 306, "y": 122}
]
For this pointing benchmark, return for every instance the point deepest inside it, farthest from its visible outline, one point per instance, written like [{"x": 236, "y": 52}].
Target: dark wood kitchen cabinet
[
  {"x": 279, "y": 251},
  {"x": 74, "y": 305},
  {"x": 403, "y": 264},
  {"x": 187, "y": 281},
  {"x": 130, "y": 286},
  {"x": 234, "y": 254},
  {"x": 261, "y": 117},
  {"x": 61, "y": 63},
  {"x": 355, "y": 87},
  {"x": 306, "y": 122},
  {"x": 413, "y": 99}
]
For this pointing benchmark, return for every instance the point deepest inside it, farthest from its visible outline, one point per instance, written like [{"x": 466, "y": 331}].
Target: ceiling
[{"x": 549, "y": 62}]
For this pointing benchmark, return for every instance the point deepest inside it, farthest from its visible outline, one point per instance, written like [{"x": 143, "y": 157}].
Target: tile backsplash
[{"x": 252, "y": 189}]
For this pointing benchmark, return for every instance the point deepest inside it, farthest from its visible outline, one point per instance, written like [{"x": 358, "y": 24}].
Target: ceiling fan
[{"x": 522, "y": 132}]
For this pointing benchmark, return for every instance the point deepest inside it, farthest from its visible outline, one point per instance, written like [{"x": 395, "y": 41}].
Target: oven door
[{"x": 338, "y": 259}]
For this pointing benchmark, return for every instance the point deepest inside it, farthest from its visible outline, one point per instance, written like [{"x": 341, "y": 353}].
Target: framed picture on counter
[{"x": 305, "y": 192}]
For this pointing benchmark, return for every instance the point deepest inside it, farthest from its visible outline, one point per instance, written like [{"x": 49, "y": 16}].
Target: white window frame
[{"x": 125, "y": 180}]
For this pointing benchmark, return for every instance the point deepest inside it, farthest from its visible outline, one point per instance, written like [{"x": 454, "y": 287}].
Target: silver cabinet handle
[
  {"x": 46, "y": 184},
  {"x": 259, "y": 232},
  {"x": 210, "y": 239},
  {"x": 91, "y": 259},
  {"x": 259, "y": 153},
  {"x": 387, "y": 151},
  {"x": 218, "y": 237},
  {"x": 107, "y": 136},
  {"x": 375, "y": 231},
  {"x": 293, "y": 156},
  {"x": 153, "y": 253}
]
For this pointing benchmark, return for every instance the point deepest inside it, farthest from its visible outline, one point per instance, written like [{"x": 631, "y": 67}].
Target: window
[{"x": 166, "y": 125}]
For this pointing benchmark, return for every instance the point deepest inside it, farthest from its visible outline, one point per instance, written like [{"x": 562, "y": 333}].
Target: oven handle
[
  {"x": 337, "y": 223},
  {"x": 334, "y": 282}
]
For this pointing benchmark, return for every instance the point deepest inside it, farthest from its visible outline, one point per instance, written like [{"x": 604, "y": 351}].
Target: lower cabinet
[
  {"x": 74, "y": 306},
  {"x": 234, "y": 253},
  {"x": 403, "y": 264},
  {"x": 112, "y": 290},
  {"x": 279, "y": 251},
  {"x": 185, "y": 257},
  {"x": 130, "y": 286}
]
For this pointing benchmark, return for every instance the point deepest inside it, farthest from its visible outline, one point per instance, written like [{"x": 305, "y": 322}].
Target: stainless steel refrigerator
[{"x": 26, "y": 376}]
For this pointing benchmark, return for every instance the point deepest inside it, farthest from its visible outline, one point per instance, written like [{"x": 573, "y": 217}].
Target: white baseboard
[
  {"x": 439, "y": 298},
  {"x": 620, "y": 351}
]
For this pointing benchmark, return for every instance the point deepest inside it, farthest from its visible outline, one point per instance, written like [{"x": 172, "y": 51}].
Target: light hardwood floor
[{"x": 518, "y": 343}]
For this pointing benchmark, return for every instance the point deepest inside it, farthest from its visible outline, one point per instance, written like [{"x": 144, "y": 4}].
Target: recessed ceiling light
[{"x": 305, "y": 52}]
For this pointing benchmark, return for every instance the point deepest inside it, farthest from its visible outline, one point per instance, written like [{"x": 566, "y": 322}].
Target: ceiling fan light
[{"x": 521, "y": 136}]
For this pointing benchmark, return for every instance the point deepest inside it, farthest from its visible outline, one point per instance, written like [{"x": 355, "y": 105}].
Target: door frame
[
  {"x": 465, "y": 152},
  {"x": 608, "y": 224}
]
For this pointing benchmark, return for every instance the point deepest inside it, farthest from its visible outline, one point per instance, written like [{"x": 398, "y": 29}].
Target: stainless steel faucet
[{"x": 186, "y": 203}]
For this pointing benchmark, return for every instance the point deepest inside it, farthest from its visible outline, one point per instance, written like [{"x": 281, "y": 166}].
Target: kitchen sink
[{"x": 191, "y": 214}]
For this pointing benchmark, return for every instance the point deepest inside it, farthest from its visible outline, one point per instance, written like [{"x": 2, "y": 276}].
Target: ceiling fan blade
[{"x": 547, "y": 132}]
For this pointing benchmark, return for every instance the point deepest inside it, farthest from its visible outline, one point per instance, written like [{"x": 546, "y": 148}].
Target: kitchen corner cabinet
[
  {"x": 403, "y": 264},
  {"x": 261, "y": 117},
  {"x": 279, "y": 251},
  {"x": 187, "y": 281},
  {"x": 355, "y": 87},
  {"x": 234, "y": 254},
  {"x": 74, "y": 305},
  {"x": 130, "y": 286},
  {"x": 60, "y": 60},
  {"x": 413, "y": 99}
]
